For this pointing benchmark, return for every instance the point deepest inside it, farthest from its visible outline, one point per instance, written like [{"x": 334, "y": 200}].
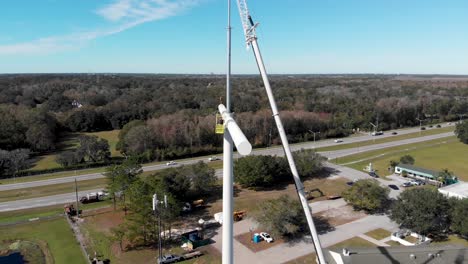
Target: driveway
[{"x": 288, "y": 251}]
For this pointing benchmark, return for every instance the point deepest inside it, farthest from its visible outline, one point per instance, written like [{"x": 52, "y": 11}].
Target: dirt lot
[
  {"x": 341, "y": 215},
  {"x": 243, "y": 197},
  {"x": 246, "y": 240},
  {"x": 104, "y": 219}
]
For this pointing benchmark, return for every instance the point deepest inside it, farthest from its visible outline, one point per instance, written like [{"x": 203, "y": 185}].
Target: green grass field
[
  {"x": 55, "y": 233},
  {"x": 70, "y": 141},
  {"x": 355, "y": 242},
  {"x": 379, "y": 233},
  {"x": 434, "y": 155},
  {"x": 388, "y": 139},
  {"x": 112, "y": 137},
  {"x": 41, "y": 212},
  {"x": 51, "y": 176},
  {"x": 48, "y": 190}
]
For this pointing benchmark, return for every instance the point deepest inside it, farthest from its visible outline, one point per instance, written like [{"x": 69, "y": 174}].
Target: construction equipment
[
  {"x": 251, "y": 40},
  {"x": 310, "y": 193},
  {"x": 239, "y": 215},
  {"x": 69, "y": 210}
]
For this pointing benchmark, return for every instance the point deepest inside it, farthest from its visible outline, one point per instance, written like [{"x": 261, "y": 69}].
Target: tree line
[
  {"x": 179, "y": 111},
  {"x": 423, "y": 210}
]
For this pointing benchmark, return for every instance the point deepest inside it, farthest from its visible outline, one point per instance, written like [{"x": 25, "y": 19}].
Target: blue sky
[{"x": 188, "y": 36}]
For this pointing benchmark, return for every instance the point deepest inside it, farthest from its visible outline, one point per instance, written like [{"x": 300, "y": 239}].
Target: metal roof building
[
  {"x": 391, "y": 255},
  {"x": 459, "y": 190},
  {"x": 416, "y": 171}
]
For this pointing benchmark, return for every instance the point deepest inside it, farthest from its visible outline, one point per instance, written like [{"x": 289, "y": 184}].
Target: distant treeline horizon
[{"x": 179, "y": 110}]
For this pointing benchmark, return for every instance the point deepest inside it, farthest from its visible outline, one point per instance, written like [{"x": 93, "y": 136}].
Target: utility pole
[
  {"x": 77, "y": 207},
  {"x": 314, "y": 135},
  {"x": 420, "y": 124},
  {"x": 233, "y": 135},
  {"x": 375, "y": 132},
  {"x": 269, "y": 141}
]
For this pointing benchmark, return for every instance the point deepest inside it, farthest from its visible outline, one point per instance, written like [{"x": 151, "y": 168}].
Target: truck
[
  {"x": 92, "y": 197},
  {"x": 169, "y": 259}
]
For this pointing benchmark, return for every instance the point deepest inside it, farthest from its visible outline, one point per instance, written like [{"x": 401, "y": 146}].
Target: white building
[{"x": 459, "y": 190}]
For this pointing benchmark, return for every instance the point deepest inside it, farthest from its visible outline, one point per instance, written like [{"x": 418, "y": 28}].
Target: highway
[
  {"x": 42, "y": 201},
  {"x": 338, "y": 170},
  {"x": 277, "y": 150}
]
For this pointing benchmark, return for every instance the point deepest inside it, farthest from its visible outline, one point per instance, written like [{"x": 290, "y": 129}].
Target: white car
[
  {"x": 338, "y": 140},
  {"x": 214, "y": 158},
  {"x": 266, "y": 237},
  {"x": 171, "y": 163}
]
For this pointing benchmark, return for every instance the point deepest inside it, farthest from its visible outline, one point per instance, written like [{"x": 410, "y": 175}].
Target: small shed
[{"x": 194, "y": 239}]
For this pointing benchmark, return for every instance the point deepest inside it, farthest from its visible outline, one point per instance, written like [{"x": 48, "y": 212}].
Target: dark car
[
  {"x": 438, "y": 126},
  {"x": 393, "y": 186},
  {"x": 394, "y": 133},
  {"x": 373, "y": 174},
  {"x": 350, "y": 183}
]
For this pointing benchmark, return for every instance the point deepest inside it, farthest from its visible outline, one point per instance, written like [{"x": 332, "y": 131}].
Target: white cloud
[{"x": 123, "y": 14}]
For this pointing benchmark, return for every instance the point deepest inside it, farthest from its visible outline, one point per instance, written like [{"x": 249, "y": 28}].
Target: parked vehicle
[
  {"x": 338, "y": 140},
  {"x": 438, "y": 126},
  {"x": 394, "y": 133},
  {"x": 171, "y": 163},
  {"x": 92, "y": 197},
  {"x": 265, "y": 236},
  {"x": 169, "y": 259},
  {"x": 214, "y": 158},
  {"x": 407, "y": 184},
  {"x": 417, "y": 182},
  {"x": 393, "y": 186}
]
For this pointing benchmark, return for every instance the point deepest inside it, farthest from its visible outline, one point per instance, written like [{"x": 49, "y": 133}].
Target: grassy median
[
  {"x": 47, "y": 190},
  {"x": 378, "y": 140}
]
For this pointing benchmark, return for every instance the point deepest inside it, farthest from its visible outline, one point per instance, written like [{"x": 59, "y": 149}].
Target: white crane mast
[{"x": 251, "y": 40}]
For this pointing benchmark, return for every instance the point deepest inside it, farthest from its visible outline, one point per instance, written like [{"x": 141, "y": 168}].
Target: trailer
[{"x": 191, "y": 255}]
